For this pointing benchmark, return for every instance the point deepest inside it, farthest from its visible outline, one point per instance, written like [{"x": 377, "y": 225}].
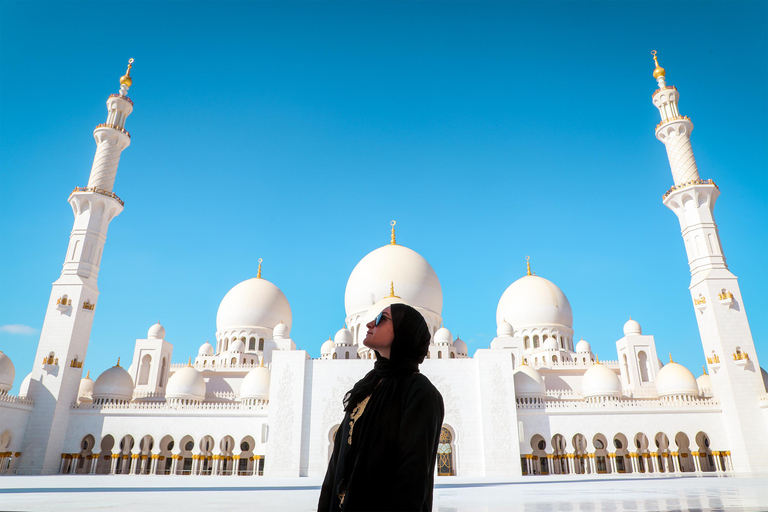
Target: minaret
[
  {"x": 69, "y": 316},
  {"x": 719, "y": 308}
]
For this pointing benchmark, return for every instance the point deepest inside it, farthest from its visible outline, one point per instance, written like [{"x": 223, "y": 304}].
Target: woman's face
[{"x": 379, "y": 337}]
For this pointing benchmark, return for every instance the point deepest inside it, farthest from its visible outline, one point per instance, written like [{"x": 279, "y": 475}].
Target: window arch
[
  {"x": 527, "y": 340},
  {"x": 146, "y": 364},
  {"x": 536, "y": 341}
]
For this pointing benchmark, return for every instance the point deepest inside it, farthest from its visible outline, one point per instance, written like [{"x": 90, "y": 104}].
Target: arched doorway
[
  {"x": 580, "y": 454},
  {"x": 621, "y": 455},
  {"x": 706, "y": 460},
  {"x": 643, "y": 455},
  {"x": 684, "y": 459},
  {"x": 104, "y": 465},
  {"x": 445, "y": 453},
  {"x": 559, "y": 456},
  {"x": 86, "y": 454},
  {"x": 165, "y": 456}
]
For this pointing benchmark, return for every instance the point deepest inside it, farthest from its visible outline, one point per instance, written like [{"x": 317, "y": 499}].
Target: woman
[{"x": 384, "y": 452}]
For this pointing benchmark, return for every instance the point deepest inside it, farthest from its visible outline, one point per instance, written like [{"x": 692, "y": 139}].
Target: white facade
[{"x": 534, "y": 402}]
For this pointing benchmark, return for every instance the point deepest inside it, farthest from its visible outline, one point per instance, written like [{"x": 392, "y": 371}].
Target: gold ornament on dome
[
  {"x": 126, "y": 79},
  {"x": 658, "y": 71}
]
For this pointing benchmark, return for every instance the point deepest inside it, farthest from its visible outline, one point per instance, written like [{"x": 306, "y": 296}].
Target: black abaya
[{"x": 390, "y": 462}]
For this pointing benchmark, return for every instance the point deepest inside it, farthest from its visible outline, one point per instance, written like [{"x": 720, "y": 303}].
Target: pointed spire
[
  {"x": 392, "y": 238},
  {"x": 88, "y": 375},
  {"x": 126, "y": 81},
  {"x": 528, "y": 264},
  {"x": 670, "y": 358},
  {"x": 258, "y": 274},
  {"x": 704, "y": 369},
  {"x": 597, "y": 359},
  {"x": 392, "y": 291},
  {"x": 189, "y": 363},
  {"x": 118, "y": 362}
]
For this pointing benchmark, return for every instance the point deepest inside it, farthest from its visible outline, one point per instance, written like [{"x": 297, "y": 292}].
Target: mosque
[{"x": 534, "y": 402}]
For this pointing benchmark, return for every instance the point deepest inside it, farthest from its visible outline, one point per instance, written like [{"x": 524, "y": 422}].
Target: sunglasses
[{"x": 379, "y": 318}]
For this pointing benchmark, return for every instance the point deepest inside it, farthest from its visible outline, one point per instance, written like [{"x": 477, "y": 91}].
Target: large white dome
[
  {"x": 533, "y": 301},
  {"x": 7, "y": 372},
  {"x": 186, "y": 384},
  {"x": 253, "y": 303},
  {"x": 528, "y": 383},
  {"x": 255, "y": 384},
  {"x": 113, "y": 384},
  {"x": 415, "y": 281},
  {"x": 676, "y": 380},
  {"x": 600, "y": 381}
]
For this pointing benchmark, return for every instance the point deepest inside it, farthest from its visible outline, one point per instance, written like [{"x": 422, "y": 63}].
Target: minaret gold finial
[
  {"x": 392, "y": 238},
  {"x": 670, "y": 358},
  {"x": 258, "y": 274},
  {"x": 704, "y": 368},
  {"x": 528, "y": 264},
  {"x": 88, "y": 375},
  {"x": 126, "y": 79},
  {"x": 658, "y": 71},
  {"x": 391, "y": 291},
  {"x": 118, "y": 362}
]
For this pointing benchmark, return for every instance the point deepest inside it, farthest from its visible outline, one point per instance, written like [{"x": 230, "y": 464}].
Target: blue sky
[{"x": 294, "y": 132}]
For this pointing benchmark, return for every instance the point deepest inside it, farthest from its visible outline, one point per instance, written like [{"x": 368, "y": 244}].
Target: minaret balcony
[
  {"x": 63, "y": 304},
  {"x": 99, "y": 191},
  {"x": 700, "y": 303},
  {"x": 114, "y": 127},
  {"x": 689, "y": 184},
  {"x": 674, "y": 118},
  {"x": 126, "y": 98},
  {"x": 725, "y": 298}
]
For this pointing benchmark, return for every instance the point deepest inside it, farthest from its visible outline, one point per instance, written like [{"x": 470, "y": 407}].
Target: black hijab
[{"x": 409, "y": 348}]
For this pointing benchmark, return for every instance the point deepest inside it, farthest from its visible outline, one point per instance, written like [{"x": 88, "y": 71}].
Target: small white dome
[
  {"x": 705, "y": 385},
  {"x": 280, "y": 331},
  {"x": 460, "y": 346},
  {"x": 550, "y": 344},
  {"x": 676, "y": 380},
  {"x": 533, "y": 301},
  {"x": 632, "y": 327},
  {"x": 206, "y": 349},
  {"x": 7, "y": 372},
  {"x": 237, "y": 346},
  {"x": 113, "y": 384},
  {"x": 24, "y": 386},
  {"x": 583, "y": 347},
  {"x": 328, "y": 347},
  {"x": 504, "y": 329},
  {"x": 255, "y": 384},
  {"x": 414, "y": 280},
  {"x": 343, "y": 336},
  {"x": 156, "y": 332},
  {"x": 528, "y": 383},
  {"x": 186, "y": 384},
  {"x": 85, "y": 391},
  {"x": 600, "y": 381},
  {"x": 253, "y": 303},
  {"x": 443, "y": 336}
]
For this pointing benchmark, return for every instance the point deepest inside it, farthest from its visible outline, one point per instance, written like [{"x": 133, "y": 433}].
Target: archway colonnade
[
  {"x": 187, "y": 457},
  {"x": 596, "y": 456}
]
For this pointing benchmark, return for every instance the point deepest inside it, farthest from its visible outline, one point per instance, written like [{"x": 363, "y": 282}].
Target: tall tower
[
  {"x": 719, "y": 308},
  {"x": 69, "y": 316}
]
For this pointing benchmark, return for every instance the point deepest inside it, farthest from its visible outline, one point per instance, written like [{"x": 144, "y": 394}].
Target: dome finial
[
  {"x": 392, "y": 238},
  {"x": 658, "y": 72},
  {"x": 597, "y": 359},
  {"x": 118, "y": 362},
  {"x": 189, "y": 363},
  {"x": 258, "y": 273},
  {"x": 704, "y": 369},
  {"x": 528, "y": 264},
  {"x": 126, "y": 79},
  {"x": 392, "y": 291},
  {"x": 670, "y": 358},
  {"x": 88, "y": 375}
]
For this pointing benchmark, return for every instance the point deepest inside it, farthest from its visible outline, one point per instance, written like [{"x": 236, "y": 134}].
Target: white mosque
[{"x": 535, "y": 402}]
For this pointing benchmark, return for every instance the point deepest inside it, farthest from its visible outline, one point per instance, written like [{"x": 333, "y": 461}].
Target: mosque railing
[
  {"x": 688, "y": 184},
  {"x": 622, "y": 403},
  {"x": 257, "y": 405},
  {"x": 126, "y": 98},
  {"x": 673, "y": 118},
  {"x": 99, "y": 191},
  {"x": 13, "y": 399}
]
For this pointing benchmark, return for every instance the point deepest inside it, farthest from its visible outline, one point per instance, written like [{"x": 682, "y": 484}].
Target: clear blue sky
[{"x": 295, "y": 132}]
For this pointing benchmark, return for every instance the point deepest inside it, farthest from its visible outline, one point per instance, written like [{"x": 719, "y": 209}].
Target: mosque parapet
[
  {"x": 649, "y": 405},
  {"x": 689, "y": 184},
  {"x": 18, "y": 400},
  {"x": 251, "y": 405}
]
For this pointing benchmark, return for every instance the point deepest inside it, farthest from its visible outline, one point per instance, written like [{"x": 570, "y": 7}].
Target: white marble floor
[{"x": 538, "y": 494}]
